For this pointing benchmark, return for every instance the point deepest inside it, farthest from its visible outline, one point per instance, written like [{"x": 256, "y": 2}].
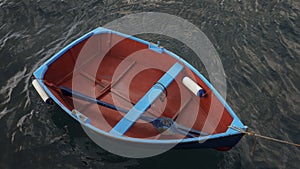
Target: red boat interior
[{"x": 120, "y": 71}]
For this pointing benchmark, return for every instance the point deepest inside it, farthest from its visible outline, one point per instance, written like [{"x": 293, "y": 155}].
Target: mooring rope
[{"x": 251, "y": 133}]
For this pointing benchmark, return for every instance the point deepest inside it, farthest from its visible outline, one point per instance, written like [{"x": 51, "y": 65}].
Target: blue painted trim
[
  {"x": 145, "y": 102},
  {"x": 39, "y": 73},
  {"x": 64, "y": 50},
  {"x": 155, "y": 48}
]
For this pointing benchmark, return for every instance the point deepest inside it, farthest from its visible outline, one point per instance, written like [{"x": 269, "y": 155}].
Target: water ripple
[
  {"x": 258, "y": 42},
  {"x": 11, "y": 83},
  {"x": 5, "y": 111}
]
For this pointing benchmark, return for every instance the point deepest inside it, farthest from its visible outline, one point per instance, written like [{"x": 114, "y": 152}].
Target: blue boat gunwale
[{"x": 40, "y": 72}]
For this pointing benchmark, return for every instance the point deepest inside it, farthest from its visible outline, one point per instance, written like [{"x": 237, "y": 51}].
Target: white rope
[{"x": 264, "y": 137}]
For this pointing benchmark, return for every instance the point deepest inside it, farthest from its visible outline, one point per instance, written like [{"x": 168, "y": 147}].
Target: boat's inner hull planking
[{"x": 120, "y": 71}]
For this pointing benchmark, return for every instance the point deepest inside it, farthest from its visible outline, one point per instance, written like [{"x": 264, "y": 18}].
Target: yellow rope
[{"x": 264, "y": 137}]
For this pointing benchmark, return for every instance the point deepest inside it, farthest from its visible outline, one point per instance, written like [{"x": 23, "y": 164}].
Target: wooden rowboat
[{"x": 125, "y": 89}]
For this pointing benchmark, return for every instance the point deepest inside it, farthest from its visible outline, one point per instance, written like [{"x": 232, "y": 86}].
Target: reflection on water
[{"x": 258, "y": 43}]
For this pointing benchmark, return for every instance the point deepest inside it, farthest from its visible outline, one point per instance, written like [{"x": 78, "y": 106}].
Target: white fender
[
  {"x": 193, "y": 87},
  {"x": 41, "y": 91}
]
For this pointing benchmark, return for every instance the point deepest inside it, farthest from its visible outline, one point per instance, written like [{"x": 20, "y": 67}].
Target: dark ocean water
[{"x": 258, "y": 43}]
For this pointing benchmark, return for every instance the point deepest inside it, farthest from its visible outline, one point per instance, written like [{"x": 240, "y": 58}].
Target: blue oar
[{"x": 161, "y": 123}]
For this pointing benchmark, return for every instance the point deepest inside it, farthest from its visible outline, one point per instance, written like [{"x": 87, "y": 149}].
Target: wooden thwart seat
[{"x": 145, "y": 102}]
